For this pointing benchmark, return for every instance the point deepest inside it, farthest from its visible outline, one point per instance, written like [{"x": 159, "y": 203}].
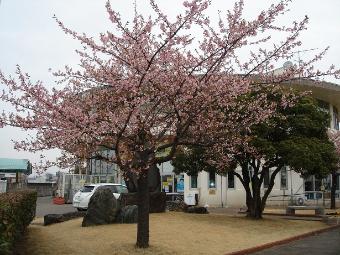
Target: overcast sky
[{"x": 30, "y": 37}]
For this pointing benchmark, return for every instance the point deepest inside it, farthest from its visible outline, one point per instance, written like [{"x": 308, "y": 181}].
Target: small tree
[
  {"x": 334, "y": 136},
  {"x": 295, "y": 136},
  {"x": 150, "y": 85}
]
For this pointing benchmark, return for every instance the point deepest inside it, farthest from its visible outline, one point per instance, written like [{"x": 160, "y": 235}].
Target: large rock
[
  {"x": 102, "y": 208},
  {"x": 128, "y": 214},
  {"x": 57, "y": 218},
  {"x": 176, "y": 206},
  {"x": 154, "y": 180},
  {"x": 157, "y": 201},
  {"x": 197, "y": 209}
]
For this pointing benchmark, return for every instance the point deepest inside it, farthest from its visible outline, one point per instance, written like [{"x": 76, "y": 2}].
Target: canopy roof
[
  {"x": 326, "y": 91},
  {"x": 8, "y": 165}
]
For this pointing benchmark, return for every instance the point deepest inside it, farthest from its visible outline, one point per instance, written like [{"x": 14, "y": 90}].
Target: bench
[{"x": 290, "y": 210}]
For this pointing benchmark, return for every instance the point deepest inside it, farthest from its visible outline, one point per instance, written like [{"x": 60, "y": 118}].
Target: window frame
[
  {"x": 233, "y": 176},
  {"x": 286, "y": 171},
  {"x": 266, "y": 179},
  {"x": 191, "y": 178},
  {"x": 209, "y": 180}
]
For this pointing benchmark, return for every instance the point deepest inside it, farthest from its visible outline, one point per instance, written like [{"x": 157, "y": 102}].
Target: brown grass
[{"x": 170, "y": 233}]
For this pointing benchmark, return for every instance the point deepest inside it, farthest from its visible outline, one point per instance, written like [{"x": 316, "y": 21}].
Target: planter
[{"x": 58, "y": 200}]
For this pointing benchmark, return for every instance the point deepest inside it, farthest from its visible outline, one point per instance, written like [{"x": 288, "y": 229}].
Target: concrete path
[
  {"x": 327, "y": 243},
  {"x": 45, "y": 206}
]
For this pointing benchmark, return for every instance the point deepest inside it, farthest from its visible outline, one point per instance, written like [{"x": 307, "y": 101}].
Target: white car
[{"x": 82, "y": 198}]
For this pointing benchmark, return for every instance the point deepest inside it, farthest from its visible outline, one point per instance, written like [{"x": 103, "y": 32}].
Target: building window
[
  {"x": 231, "y": 181},
  {"x": 212, "y": 180},
  {"x": 266, "y": 179},
  {"x": 283, "y": 182},
  {"x": 250, "y": 171},
  {"x": 193, "y": 181},
  {"x": 335, "y": 118}
]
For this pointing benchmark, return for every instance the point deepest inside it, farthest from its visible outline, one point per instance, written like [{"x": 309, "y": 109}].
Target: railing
[
  {"x": 310, "y": 197},
  {"x": 69, "y": 184},
  {"x": 16, "y": 186}
]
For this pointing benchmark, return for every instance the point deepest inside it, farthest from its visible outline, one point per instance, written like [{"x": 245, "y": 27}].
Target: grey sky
[{"x": 30, "y": 37}]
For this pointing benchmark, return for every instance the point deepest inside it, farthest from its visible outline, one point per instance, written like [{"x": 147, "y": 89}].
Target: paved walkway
[
  {"x": 45, "y": 206},
  {"x": 327, "y": 243}
]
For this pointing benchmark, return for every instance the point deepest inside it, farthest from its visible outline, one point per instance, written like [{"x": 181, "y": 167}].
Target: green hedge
[{"x": 17, "y": 210}]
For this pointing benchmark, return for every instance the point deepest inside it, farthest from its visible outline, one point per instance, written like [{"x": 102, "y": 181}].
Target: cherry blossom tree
[
  {"x": 154, "y": 83},
  {"x": 334, "y": 136}
]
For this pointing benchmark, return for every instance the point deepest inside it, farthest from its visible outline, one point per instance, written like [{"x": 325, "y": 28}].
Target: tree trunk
[
  {"x": 333, "y": 190},
  {"x": 255, "y": 210},
  {"x": 143, "y": 212}
]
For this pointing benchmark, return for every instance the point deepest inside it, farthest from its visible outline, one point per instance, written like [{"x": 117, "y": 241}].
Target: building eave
[{"x": 326, "y": 91}]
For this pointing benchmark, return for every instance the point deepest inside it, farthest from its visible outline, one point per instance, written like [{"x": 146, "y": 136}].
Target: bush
[{"x": 17, "y": 210}]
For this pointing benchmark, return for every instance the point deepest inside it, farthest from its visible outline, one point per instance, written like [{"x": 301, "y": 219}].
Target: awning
[{"x": 8, "y": 165}]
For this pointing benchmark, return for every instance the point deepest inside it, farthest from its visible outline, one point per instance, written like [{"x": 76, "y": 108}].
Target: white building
[{"x": 215, "y": 190}]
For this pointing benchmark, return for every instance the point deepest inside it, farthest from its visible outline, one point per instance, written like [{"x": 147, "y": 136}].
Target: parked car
[{"x": 82, "y": 198}]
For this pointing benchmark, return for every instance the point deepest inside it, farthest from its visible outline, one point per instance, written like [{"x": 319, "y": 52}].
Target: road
[
  {"x": 45, "y": 206},
  {"x": 327, "y": 243}
]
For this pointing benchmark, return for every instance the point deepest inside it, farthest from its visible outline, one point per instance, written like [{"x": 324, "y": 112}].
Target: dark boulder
[
  {"x": 157, "y": 201},
  {"x": 102, "y": 208},
  {"x": 52, "y": 218},
  {"x": 57, "y": 218},
  {"x": 127, "y": 214},
  {"x": 176, "y": 206},
  {"x": 154, "y": 180},
  {"x": 197, "y": 209}
]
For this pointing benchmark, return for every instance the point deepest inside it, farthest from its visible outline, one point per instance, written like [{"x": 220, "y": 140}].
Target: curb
[
  {"x": 295, "y": 215},
  {"x": 280, "y": 242}
]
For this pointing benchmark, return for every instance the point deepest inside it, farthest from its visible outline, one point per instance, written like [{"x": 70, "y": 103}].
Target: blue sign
[{"x": 180, "y": 185}]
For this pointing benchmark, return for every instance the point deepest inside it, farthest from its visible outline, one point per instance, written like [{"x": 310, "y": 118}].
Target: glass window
[
  {"x": 283, "y": 182},
  {"x": 193, "y": 182},
  {"x": 212, "y": 180},
  {"x": 250, "y": 171},
  {"x": 167, "y": 181},
  {"x": 309, "y": 187},
  {"x": 231, "y": 181},
  {"x": 110, "y": 187},
  {"x": 87, "y": 189},
  {"x": 121, "y": 189},
  {"x": 266, "y": 179},
  {"x": 327, "y": 183},
  {"x": 335, "y": 118}
]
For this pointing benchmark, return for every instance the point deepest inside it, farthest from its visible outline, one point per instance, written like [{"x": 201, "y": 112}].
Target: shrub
[{"x": 17, "y": 210}]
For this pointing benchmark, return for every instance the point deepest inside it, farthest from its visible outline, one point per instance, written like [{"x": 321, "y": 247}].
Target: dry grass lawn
[{"x": 170, "y": 233}]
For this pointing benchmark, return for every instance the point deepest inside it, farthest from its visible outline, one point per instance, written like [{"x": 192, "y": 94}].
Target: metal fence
[
  {"x": 309, "y": 198},
  {"x": 69, "y": 184},
  {"x": 3, "y": 186}
]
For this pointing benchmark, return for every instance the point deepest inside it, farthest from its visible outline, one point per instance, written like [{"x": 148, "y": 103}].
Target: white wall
[{"x": 235, "y": 197}]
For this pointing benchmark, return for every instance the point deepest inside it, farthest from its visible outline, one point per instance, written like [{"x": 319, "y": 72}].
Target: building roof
[
  {"x": 8, "y": 165},
  {"x": 326, "y": 91}
]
